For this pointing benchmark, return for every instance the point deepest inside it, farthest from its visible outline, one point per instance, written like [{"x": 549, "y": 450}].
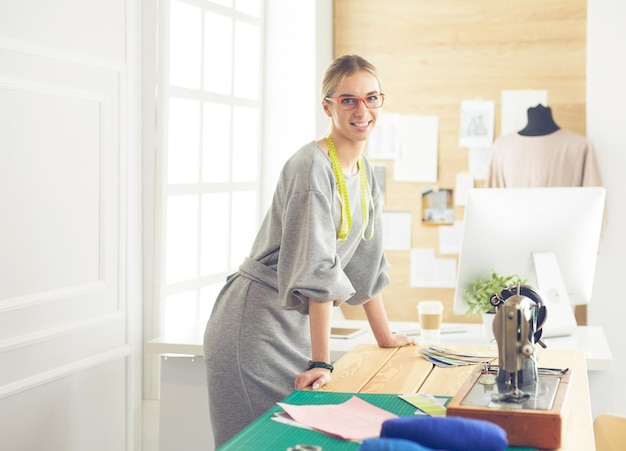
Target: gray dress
[{"x": 257, "y": 339}]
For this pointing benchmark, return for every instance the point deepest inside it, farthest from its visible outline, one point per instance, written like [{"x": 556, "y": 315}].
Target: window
[{"x": 210, "y": 79}]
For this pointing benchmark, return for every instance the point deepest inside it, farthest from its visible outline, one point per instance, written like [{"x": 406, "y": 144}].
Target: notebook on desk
[{"x": 345, "y": 332}]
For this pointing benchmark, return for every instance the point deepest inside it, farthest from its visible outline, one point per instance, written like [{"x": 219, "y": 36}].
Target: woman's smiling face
[{"x": 356, "y": 124}]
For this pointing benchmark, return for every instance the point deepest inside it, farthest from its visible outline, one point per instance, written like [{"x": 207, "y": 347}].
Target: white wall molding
[
  {"x": 20, "y": 302},
  {"x": 63, "y": 371},
  {"x": 42, "y": 335},
  {"x": 70, "y": 301},
  {"x": 50, "y": 89},
  {"x": 15, "y": 45}
]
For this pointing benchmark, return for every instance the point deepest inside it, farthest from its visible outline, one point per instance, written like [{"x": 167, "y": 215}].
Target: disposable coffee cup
[{"x": 430, "y": 317}]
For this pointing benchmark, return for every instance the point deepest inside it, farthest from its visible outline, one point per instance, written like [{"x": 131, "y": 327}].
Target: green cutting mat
[{"x": 268, "y": 435}]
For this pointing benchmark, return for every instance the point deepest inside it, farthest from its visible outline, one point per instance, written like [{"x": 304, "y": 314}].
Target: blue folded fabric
[
  {"x": 391, "y": 444},
  {"x": 447, "y": 433}
]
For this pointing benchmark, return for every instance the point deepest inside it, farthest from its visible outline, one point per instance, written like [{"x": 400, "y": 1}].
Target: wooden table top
[{"x": 370, "y": 369}]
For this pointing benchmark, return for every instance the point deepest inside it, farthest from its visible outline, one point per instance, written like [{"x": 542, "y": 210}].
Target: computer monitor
[{"x": 548, "y": 236}]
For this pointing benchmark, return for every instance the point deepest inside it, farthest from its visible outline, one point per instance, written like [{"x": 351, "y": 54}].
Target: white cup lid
[{"x": 430, "y": 307}]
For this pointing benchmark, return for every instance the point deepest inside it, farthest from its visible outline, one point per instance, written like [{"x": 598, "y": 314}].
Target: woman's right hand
[
  {"x": 397, "y": 340},
  {"x": 315, "y": 377}
]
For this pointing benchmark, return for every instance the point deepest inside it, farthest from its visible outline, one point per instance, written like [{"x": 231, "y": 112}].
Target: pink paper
[{"x": 354, "y": 419}]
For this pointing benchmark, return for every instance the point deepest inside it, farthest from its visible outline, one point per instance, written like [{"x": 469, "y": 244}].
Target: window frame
[{"x": 164, "y": 291}]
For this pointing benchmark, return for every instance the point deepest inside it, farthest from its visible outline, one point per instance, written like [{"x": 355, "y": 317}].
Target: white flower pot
[{"x": 488, "y": 326}]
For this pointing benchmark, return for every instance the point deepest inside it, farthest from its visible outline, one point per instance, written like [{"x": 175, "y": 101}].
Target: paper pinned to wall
[
  {"x": 450, "y": 238},
  {"x": 464, "y": 183},
  {"x": 397, "y": 230},
  {"x": 417, "y": 159},
  {"x": 430, "y": 272},
  {"x": 514, "y": 108},
  {"x": 437, "y": 206},
  {"x": 384, "y": 142},
  {"x": 479, "y": 160},
  {"x": 477, "y": 122}
]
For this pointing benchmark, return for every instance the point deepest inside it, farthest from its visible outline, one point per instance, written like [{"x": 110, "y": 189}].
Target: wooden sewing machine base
[{"x": 536, "y": 423}]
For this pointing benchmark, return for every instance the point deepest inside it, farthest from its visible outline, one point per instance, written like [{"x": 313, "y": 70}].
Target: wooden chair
[{"x": 610, "y": 432}]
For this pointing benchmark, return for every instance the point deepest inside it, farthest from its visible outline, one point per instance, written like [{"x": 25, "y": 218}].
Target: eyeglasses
[{"x": 352, "y": 103}]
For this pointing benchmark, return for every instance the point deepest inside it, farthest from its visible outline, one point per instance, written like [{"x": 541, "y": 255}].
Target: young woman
[{"x": 319, "y": 246}]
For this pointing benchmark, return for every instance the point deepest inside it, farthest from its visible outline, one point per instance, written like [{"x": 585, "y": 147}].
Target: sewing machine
[{"x": 517, "y": 394}]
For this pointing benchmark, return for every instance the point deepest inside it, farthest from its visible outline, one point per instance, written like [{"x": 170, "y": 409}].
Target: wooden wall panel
[{"x": 431, "y": 55}]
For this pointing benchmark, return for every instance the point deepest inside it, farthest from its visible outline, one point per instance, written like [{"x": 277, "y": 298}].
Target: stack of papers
[
  {"x": 446, "y": 357},
  {"x": 354, "y": 419}
]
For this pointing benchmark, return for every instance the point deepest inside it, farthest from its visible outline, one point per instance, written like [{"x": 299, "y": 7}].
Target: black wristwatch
[{"x": 313, "y": 364}]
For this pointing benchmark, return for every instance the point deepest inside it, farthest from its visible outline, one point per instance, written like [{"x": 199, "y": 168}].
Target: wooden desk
[
  {"x": 183, "y": 378},
  {"x": 370, "y": 369}
]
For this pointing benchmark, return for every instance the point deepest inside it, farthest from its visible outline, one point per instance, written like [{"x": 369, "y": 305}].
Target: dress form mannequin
[
  {"x": 540, "y": 122},
  {"x": 543, "y": 154}
]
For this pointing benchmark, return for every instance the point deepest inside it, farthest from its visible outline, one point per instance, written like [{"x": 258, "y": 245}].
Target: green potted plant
[{"x": 479, "y": 293}]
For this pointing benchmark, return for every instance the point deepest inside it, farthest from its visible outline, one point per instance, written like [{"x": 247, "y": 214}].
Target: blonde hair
[{"x": 343, "y": 66}]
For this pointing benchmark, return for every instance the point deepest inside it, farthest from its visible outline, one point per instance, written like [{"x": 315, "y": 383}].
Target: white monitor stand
[{"x": 560, "y": 319}]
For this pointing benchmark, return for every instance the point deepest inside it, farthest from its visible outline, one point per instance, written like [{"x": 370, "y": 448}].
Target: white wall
[
  {"x": 606, "y": 122},
  {"x": 298, "y": 49},
  {"x": 69, "y": 232}
]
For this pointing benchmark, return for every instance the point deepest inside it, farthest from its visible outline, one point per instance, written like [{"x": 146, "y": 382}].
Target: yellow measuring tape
[{"x": 346, "y": 215}]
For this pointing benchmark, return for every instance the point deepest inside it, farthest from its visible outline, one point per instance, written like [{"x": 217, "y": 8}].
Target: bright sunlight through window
[{"x": 209, "y": 123}]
